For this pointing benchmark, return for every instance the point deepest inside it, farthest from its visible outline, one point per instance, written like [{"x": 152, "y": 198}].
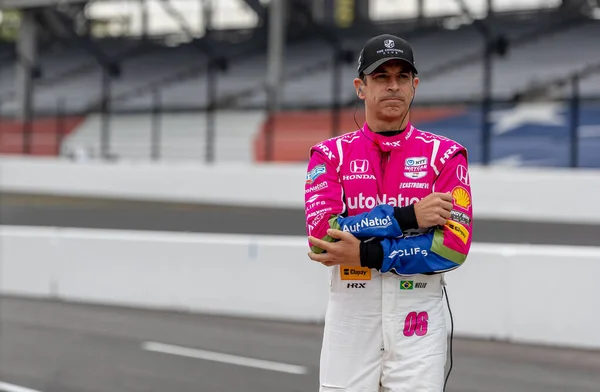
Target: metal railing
[{"x": 156, "y": 132}]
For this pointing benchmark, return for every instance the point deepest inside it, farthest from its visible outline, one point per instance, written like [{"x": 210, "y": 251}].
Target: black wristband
[
  {"x": 371, "y": 254},
  {"x": 406, "y": 217}
]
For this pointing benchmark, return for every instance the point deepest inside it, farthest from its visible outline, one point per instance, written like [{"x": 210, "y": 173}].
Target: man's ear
[
  {"x": 358, "y": 85},
  {"x": 416, "y": 81}
]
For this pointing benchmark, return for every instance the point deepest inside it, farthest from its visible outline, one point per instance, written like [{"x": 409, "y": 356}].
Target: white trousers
[{"x": 383, "y": 332}]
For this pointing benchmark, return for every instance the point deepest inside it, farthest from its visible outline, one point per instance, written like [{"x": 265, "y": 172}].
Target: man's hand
[
  {"x": 433, "y": 210},
  {"x": 346, "y": 251}
]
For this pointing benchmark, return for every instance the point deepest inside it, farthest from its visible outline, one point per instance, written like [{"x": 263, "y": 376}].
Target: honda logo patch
[
  {"x": 359, "y": 166},
  {"x": 463, "y": 175}
]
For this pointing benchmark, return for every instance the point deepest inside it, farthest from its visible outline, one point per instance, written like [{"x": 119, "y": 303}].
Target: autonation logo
[
  {"x": 361, "y": 201},
  {"x": 381, "y": 223}
]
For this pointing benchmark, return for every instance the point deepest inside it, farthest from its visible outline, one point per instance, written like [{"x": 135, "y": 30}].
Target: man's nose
[{"x": 393, "y": 85}]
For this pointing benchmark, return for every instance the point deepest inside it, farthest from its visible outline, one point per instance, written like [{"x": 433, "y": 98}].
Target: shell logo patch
[{"x": 461, "y": 197}]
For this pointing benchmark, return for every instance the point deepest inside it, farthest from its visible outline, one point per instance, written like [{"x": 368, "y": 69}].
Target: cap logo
[{"x": 389, "y": 43}]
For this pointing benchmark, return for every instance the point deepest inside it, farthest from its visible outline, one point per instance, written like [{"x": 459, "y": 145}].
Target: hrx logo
[
  {"x": 325, "y": 150},
  {"x": 392, "y": 144},
  {"x": 356, "y": 285},
  {"x": 449, "y": 153}
]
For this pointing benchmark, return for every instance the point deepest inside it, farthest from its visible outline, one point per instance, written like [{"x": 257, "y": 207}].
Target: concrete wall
[
  {"x": 519, "y": 293},
  {"x": 555, "y": 195}
]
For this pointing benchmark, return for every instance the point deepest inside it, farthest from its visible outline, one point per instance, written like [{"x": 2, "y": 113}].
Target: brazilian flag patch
[{"x": 406, "y": 285}]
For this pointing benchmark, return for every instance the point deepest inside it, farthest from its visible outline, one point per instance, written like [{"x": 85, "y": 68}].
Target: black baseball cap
[{"x": 383, "y": 48}]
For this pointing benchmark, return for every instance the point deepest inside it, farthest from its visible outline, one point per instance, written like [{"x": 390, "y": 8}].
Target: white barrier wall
[
  {"x": 237, "y": 275},
  {"x": 555, "y": 195},
  {"x": 519, "y": 293}
]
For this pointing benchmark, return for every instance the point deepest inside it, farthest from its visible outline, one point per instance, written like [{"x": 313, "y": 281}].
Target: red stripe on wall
[{"x": 43, "y": 136}]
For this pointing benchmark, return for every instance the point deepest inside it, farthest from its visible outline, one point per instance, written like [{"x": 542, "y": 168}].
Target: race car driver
[{"x": 389, "y": 208}]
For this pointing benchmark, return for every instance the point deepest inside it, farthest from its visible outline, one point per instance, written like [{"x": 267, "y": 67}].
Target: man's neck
[{"x": 378, "y": 126}]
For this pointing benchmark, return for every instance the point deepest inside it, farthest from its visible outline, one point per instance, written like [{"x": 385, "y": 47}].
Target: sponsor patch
[
  {"x": 316, "y": 204},
  {"x": 359, "y": 166},
  {"x": 316, "y": 171},
  {"x": 414, "y": 185},
  {"x": 353, "y": 177},
  {"x": 414, "y": 169},
  {"x": 410, "y": 285},
  {"x": 448, "y": 154},
  {"x": 318, "y": 219},
  {"x": 415, "y": 161},
  {"x": 348, "y": 139},
  {"x": 462, "y": 173},
  {"x": 325, "y": 150},
  {"x": 356, "y": 286},
  {"x": 361, "y": 201},
  {"x": 461, "y": 197},
  {"x": 355, "y": 273},
  {"x": 415, "y": 165},
  {"x": 318, "y": 212},
  {"x": 408, "y": 252},
  {"x": 434, "y": 136},
  {"x": 458, "y": 230},
  {"x": 316, "y": 188},
  {"x": 415, "y": 175},
  {"x": 312, "y": 198},
  {"x": 376, "y": 222},
  {"x": 460, "y": 217}
]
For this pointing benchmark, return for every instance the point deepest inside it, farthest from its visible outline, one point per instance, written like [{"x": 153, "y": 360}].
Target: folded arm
[
  {"x": 441, "y": 249},
  {"x": 382, "y": 221}
]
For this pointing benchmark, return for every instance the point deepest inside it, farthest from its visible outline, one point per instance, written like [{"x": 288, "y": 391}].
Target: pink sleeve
[
  {"x": 322, "y": 193},
  {"x": 454, "y": 178}
]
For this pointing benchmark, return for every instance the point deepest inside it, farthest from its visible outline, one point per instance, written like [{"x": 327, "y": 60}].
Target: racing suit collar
[{"x": 389, "y": 143}]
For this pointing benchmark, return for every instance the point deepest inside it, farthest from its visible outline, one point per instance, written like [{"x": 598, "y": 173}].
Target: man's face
[{"x": 388, "y": 91}]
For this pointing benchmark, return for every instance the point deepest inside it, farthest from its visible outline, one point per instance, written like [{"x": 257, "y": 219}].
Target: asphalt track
[
  {"x": 56, "y": 347},
  {"x": 32, "y": 210}
]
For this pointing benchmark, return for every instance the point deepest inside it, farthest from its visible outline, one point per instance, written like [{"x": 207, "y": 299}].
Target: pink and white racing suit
[{"x": 386, "y": 324}]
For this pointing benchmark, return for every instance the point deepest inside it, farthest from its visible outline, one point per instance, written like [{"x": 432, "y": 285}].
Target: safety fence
[{"x": 560, "y": 133}]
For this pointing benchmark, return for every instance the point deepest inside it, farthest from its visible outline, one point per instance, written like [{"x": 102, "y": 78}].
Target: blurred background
[
  {"x": 152, "y": 157},
  {"x": 517, "y": 83}
]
